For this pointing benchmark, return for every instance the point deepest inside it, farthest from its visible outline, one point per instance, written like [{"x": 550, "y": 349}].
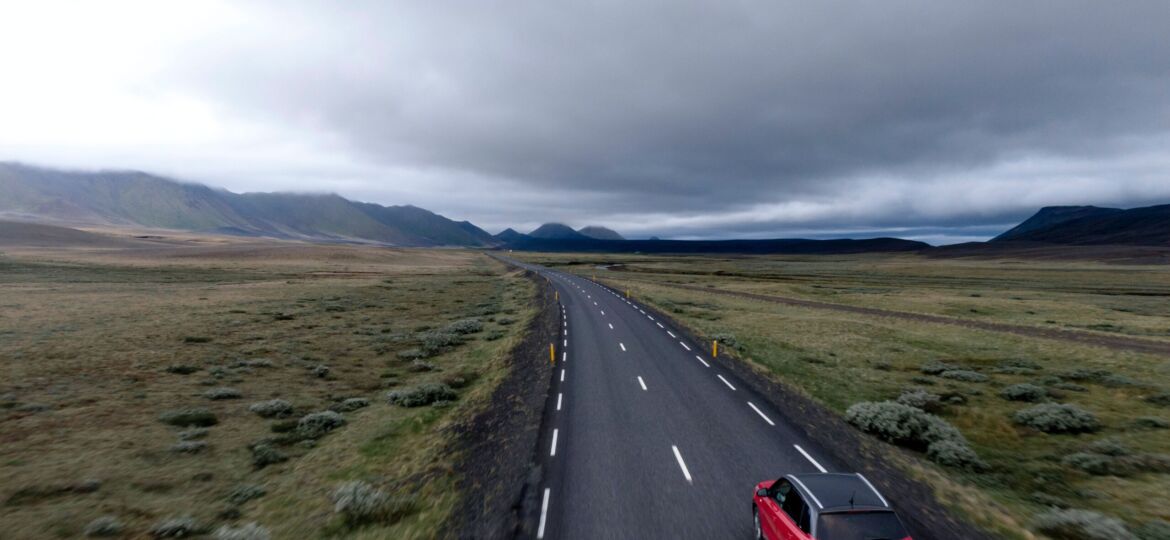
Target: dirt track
[{"x": 1085, "y": 338}]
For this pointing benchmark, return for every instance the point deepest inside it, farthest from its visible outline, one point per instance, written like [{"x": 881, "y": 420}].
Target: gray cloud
[{"x": 710, "y": 118}]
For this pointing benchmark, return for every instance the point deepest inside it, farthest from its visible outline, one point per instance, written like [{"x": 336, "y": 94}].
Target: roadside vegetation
[
  {"x": 1019, "y": 434},
  {"x": 287, "y": 392}
]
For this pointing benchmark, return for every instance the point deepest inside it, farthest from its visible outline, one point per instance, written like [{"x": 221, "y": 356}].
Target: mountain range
[
  {"x": 137, "y": 199},
  {"x": 144, "y": 200}
]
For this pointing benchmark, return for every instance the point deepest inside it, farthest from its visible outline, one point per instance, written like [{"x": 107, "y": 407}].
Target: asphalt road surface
[{"x": 646, "y": 436}]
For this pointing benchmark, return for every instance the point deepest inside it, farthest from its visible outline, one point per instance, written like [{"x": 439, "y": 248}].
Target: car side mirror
[{"x": 762, "y": 492}]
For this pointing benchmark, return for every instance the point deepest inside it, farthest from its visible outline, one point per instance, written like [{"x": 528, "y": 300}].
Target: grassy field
[
  {"x": 1118, "y": 468},
  {"x": 99, "y": 348}
]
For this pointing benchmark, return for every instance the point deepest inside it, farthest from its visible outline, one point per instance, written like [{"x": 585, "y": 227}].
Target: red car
[{"x": 824, "y": 507}]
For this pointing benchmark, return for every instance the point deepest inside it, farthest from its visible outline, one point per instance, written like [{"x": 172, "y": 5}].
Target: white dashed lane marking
[{"x": 720, "y": 378}]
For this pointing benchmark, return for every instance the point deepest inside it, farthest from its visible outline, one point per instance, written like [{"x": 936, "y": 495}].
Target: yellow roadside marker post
[
  {"x": 558, "y": 295},
  {"x": 714, "y": 348},
  {"x": 552, "y": 354},
  {"x": 627, "y": 293}
]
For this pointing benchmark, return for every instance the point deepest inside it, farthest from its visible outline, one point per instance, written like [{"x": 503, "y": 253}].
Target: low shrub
[
  {"x": 954, "y": 453},
  {"x": 351, "y": 404},
  {"x": 196, "y": 416},
  {"x": 425, "y": 394},
  {"x": 250, "y": 531},
  {"x": 1080, "y": 525},
  {"x": 358, "y": 503},
  {"x": 726, "y": 339},
  {"x": 176, "y": 527},
  {"x": 1161, "y": 399},
  {"x": 494, "y": 335},
  {"x": 964, "y": 375},
  {"x": 181, "y": 369},
  {"x": 1057, "y": 418},
  {"x": 1071, "y": 387},
  {"x": 273, "y": 408},
  {"x": 1020, "y": 363},
  {"x": 1151, "y": 422},
  {"x": 193, "y": 433},
  {"x": 1108, "y": 447},
  {"x": 104, "y": 526},
  {"x": 246, "y": 492},
  {"x": 914, "y": 428},
  {"x": 434, "y": 342},
  {"x": 921, "y": 399},
  {"x": 321, "y": 371},
  {"x": 465, "y": 326},
  {"x": 419, "y": 366},
  {"x": 1083, "y": 374},
  {"x": 264, "y": 455},
  {"x": 505, "y": 321},
  {"x": 196, "y": 339},
  {"x": 222, "y": 392},
  {"x": 1023, "y": 392},
  {"x": 189, "y": 447},
  {"x": 1095, "y": 464},
  {"x": 1118, "y": 381},
  {"x": 1154, "y": 530},
  {"x": 318, "y": 424},
  {"x": 411, "y": 354},
  {"x": 935, "y": 367}
]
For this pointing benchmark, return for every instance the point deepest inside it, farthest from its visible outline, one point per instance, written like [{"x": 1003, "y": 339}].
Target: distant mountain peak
[
  {"x": 556, "y": 231},
  {"x": 600, "y": 233}
]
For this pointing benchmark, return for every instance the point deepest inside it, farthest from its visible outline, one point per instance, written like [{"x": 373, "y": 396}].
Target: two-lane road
[{"x": 648, "y": 436}]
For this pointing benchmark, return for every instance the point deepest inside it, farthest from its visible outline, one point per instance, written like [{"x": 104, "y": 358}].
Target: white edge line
[
  {"x": 641, "y": 382},
  {"x": 683, "y": 466},
  {"x": 765, "y": 417},
  {"x": 543, "y": 514},
  {"x": 814, "y": 497},
  {"x": 819, "y": 467},
  {"x": 722, "y": 379},
  {"x": 875, "y": 491},
  {"x": 553, "y": 451},
  {"x": 700, "y": 358}
]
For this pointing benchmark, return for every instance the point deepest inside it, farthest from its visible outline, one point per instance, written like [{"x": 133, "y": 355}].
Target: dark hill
[
  {"x": 510, "y": 235},
  {"x": 128, "y": 198},
  {"x": 556, "y": 231},
  {"x": 600, "y": 233},
  {"x": 789, "y": 246},
  {"x": 1089, "y": 225}
]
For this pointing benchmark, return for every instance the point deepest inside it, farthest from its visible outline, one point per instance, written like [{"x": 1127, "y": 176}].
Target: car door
[
  {"x": 794, "y": 516},
  {"x": 775, "y": 519}
]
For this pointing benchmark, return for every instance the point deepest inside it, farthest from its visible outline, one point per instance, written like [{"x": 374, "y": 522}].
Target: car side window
[
  {"x": 805, "y": 521},
  {"x": 780, "y": 491},
  {"x": 793, "y": 505}
]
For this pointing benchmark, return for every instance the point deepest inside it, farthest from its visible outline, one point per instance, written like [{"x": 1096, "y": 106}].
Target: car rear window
[{"x": 860, "y": 526}]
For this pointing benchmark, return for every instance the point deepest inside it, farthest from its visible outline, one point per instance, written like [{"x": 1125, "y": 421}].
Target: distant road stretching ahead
[{"x": 646, "y": 436}]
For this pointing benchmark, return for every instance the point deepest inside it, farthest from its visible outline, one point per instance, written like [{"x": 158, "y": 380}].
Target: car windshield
[{"x": 860, "y": 526}]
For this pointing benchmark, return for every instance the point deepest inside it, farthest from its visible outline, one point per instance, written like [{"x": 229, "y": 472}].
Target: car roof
[{"x": 837, "y": 491}]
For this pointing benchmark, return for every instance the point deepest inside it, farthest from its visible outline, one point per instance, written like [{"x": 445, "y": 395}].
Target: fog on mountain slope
[{"x": 138, "y": 199}]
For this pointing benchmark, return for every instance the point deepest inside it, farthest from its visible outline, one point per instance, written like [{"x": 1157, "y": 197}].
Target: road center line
[
  {"x": 684, "y": 345},
  {"x": 623, "y": 345},
  {"x": 566, "y": 342},
  {"x": 610, "y": 326},
  {"x": 553, "y": 451},
  {"x": 681, "y": 465},
  {"x": 720, "y": 378},
  {"x": 543, "y": 514},
  {"x": 563, "y": 375},
  {"x": 700, "y": 358},
  {"x": 660, "y": 325},
  {"x": 560, "y": 396},
  {"x": 762, "y": 415},
  {"x": 564, "y": 356},
  {"x": 671, "y": 334},
  {"x": 603, "y": 313},
  {"x": 809, "y": 458},
  {"x": 641, "y": 382}
]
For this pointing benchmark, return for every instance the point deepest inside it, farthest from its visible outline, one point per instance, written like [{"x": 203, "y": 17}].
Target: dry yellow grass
[
  {"x": 843, "y": 358},
  {"x": 88, "y": 334}
]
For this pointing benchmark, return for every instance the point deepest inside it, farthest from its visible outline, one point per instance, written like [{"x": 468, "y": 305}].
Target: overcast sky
[{"x": 936, "y": 120}]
